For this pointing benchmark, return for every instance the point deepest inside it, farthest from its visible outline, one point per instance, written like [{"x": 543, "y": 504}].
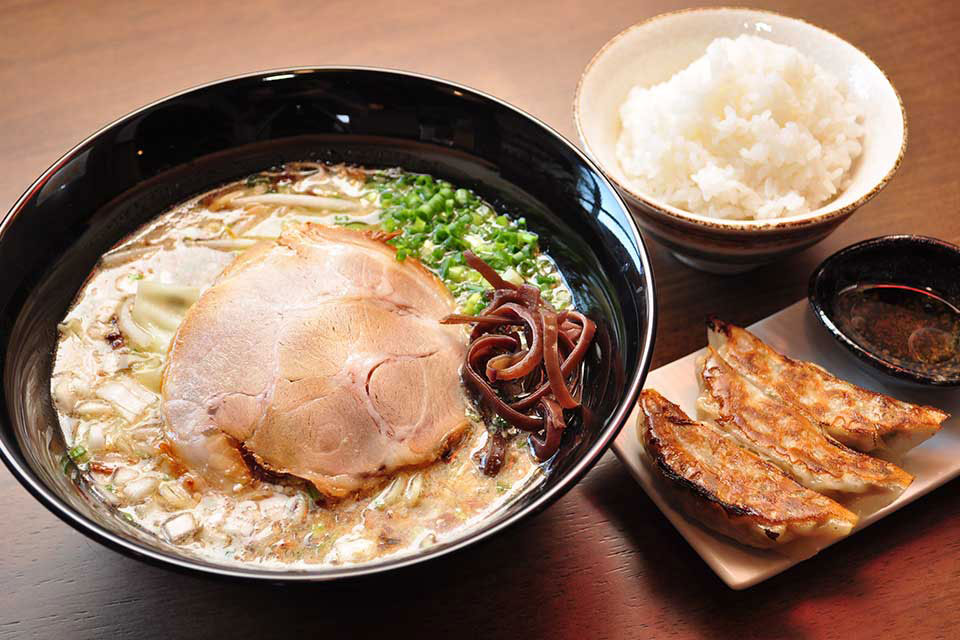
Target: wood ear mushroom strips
[
  {"x": 861, "y": 419},
  {"x": 727, "y": 487}
]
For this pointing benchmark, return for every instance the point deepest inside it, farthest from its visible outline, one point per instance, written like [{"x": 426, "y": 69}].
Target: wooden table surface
[{"x": 602, "y": 561}]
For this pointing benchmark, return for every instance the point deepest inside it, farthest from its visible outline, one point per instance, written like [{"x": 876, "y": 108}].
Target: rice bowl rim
[{"x": 820, "y": 215}]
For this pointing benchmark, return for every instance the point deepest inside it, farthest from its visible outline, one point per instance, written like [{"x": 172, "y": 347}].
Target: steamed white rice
[{"x": 751, "y": 130}]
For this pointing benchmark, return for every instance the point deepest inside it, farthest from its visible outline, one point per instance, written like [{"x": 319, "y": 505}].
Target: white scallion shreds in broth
[{"x": 113, "y": 345}]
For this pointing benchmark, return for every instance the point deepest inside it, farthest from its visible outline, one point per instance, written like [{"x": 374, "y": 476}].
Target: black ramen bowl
[
  {"x": 160, "y": 155},
  {"x": 904, "y": 261}
]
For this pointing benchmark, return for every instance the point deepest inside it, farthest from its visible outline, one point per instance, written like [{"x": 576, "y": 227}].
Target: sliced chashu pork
[{"x": 323, "y": 357}]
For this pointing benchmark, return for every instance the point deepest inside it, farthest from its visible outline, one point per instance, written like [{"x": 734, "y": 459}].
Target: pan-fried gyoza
[
  {"x": 784, "y": 436},
  {"x": 861, "y": 419},
  {"x": 729, "y": 488},
  {"x": 772, "y": 423}
]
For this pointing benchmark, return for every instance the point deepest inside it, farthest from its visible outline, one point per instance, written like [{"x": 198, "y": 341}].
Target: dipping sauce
[{"x": 909, "y": 327}]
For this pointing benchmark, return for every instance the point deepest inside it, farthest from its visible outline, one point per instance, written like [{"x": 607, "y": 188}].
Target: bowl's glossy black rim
[
  {"x": 816, "y": 294},
  {"x": 153, "y": 556}
]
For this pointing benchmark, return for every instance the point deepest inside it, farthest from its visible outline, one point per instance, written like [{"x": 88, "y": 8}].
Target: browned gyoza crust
[
  {"x": 783, "y": 435},
  {"x": 727, "y": 487},
  {"x": 858, "y": 418}
]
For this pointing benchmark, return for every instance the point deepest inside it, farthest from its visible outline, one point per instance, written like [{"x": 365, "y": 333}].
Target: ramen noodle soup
[{"x": 318, "y": 365}]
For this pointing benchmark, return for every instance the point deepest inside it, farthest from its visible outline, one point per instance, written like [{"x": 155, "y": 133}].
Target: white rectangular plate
[{"x": 795, "y": 332}]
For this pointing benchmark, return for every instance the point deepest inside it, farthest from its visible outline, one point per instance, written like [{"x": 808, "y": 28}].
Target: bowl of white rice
[{"x": 739, "y": 136}]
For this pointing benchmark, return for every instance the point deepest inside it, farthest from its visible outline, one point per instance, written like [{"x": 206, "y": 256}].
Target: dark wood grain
[{"x": 602, "y": 562}]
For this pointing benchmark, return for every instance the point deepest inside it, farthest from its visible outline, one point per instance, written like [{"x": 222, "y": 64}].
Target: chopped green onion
[
  {"x": 457, "y": 273},
  {"x": 445, "y": 268},
  {"x": 511, "y": 275},
  {"x": 437, "y": 222},
  {"x": 474, "y": 304},
  {"x": 312, "y": 492}
]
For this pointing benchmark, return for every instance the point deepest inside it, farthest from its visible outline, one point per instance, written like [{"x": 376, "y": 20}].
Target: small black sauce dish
[{"x": 894, "y": 303}]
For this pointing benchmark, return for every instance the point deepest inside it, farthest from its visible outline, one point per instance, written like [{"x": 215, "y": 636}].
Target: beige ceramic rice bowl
[{"x": 651, "y": 52}]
